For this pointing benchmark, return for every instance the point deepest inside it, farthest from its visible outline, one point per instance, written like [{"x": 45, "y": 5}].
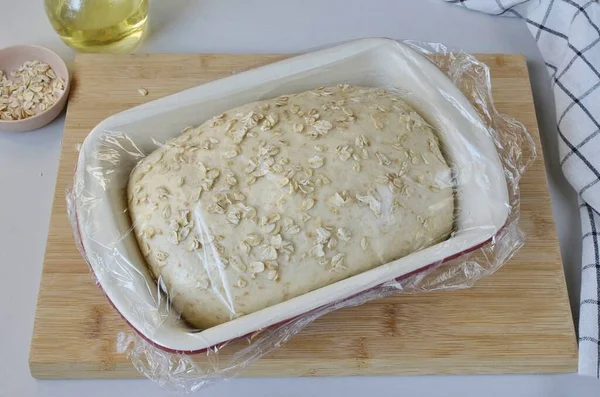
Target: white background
[{"x": 29, "y": 161}]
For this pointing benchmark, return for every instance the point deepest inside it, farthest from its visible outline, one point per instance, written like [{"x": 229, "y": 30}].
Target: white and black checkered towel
[{"x": 568, "y": 35}]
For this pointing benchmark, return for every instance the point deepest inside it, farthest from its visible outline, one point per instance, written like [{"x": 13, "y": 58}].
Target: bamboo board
[{"x": 517, "y": 321}]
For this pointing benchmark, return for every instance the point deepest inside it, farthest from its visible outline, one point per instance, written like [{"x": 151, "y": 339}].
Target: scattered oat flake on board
[{"x": 143, "y": 91}]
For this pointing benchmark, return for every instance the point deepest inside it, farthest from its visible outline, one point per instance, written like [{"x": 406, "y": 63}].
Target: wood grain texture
[{"x": 517, "y": 321}]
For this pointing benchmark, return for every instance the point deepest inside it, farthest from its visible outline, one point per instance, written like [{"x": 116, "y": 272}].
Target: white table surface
[{"x": 29, "y": 161}]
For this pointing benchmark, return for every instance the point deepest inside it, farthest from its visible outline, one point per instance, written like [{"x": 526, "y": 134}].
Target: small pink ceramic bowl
[{"x": 11, "y": 58}]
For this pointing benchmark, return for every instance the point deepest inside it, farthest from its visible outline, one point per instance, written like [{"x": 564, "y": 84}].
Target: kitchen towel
[{"x": 568, "y": 35}]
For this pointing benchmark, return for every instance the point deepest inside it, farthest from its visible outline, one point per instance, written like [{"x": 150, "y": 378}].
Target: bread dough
[{"x": 277, "y": 198}]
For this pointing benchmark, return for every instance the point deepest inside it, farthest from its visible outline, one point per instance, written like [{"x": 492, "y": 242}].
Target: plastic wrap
[{"x": 219, "y": 230}]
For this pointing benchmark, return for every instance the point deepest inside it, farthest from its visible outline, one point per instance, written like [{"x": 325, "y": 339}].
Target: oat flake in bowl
[{"x": 34, "y": 87}]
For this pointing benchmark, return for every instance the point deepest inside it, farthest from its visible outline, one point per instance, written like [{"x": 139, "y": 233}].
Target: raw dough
[{"x": 277, "y": 198}]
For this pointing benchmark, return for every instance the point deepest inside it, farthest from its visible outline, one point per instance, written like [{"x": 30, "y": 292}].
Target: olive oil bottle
[{"x": 115, "y": 26}]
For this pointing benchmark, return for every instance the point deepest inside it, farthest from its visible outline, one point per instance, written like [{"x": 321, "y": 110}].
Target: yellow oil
[{"x": 115, "y": 26}]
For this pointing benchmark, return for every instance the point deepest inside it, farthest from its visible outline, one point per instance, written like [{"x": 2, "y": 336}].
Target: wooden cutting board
[{"x": 517, "y": 321}]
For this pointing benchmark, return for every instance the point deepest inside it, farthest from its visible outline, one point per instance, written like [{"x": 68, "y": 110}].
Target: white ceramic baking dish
[{"x": 102, "y": 174}]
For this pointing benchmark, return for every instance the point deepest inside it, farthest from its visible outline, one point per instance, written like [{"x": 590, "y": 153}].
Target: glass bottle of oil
[{"x": 115, "y": 26}]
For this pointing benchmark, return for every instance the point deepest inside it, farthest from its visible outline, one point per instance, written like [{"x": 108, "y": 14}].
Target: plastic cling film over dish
[{"x": 222, "y": 220}]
